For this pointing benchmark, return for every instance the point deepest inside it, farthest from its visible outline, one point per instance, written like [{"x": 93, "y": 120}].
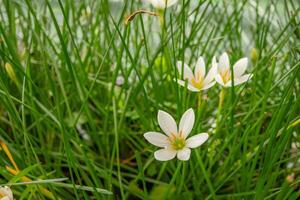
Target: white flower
[
  {"x": 197, "y": 81},
  {"x": 175, "y": 141},
  {"x": 6, "y": 193},
  {"x": 223, "y": 76},
  {"x": 85, "y": 16},
  {"x": 162, "y": 4},
  {"x": 120, "y": 80}
]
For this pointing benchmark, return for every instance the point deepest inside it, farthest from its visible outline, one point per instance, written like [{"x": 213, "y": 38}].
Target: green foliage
[{"x": 63, "y": 113}]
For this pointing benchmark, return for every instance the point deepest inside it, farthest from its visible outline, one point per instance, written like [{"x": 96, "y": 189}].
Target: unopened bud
[
  {"x": 254, "y": 55},
  {"x": 11, "y": 73}
]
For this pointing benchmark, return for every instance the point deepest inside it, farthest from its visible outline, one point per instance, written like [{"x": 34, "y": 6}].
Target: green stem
[
  {"x": 220, "y": 106},
  {"x": 161, "y": 19},
  {"x": 171, "y": 183},
  {"x": 199, "y": 99}
]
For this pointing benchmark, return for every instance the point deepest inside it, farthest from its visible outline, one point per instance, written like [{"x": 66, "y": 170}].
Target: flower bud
[
  {"x": 254, "y": 55},
  {"x": 11, "y": 73}
]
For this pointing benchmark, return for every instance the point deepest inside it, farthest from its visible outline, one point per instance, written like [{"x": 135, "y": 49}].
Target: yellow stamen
[
  {"x": 197, "y": 81},
  {"x": 177, "y": 141},
  {"x": 226, "y": 75}
]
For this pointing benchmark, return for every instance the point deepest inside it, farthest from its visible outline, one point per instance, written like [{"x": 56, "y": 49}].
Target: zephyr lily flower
[
  {"x": 174, "y": 141},
  {"x": 197, "y": 81},
  {"x": 162, "y": 4},
  {"x": 6, "y": 193},
  {"x": 223, "y": 76}
]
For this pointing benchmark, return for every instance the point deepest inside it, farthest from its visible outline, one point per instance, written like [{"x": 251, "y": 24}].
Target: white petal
[
  {"x": 6, "y": 193},
  {"x": 212, "y": 72},
  {"x": 187, "y": 122},
  {"x": 192, "y": 88},
  {"x": 187, "y": 72},
  {"x": 242, "y": 79},
  {"x": 164, "y": 154},
  {"x": 189, "y": 86},
  {"x": 161, "y": 4},
  {"x": 6, "y": 198},
  {"x": 181, "y": 82},
  {"x": 157, "y": 139},
  {"x": 223, "y": 62},
  {"x": 196, "y": 140},
  {"x": 171, "y": 2},
  {"x": 209, "y": 85},
  {"x": 229, "y": 83},
  {"x": 200, "y": 68},
  {"x": 157, "y": 3},
  {"x": 240, "y": 67},
  {"x": 166, "y": 122},
  {"x": 184, "y": 154},
  {"x": 219, "y": 79}
]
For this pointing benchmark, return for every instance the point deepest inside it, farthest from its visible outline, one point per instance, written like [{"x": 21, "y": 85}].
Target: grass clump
[{"x": 80, "y": 83}]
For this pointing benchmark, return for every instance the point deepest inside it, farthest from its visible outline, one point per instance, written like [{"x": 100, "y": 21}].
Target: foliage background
[{"x": 62, "y": 113}]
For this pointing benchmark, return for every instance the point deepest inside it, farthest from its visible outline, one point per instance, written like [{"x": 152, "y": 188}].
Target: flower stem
[
  {"x": 220, "y": 106},
  {"x": 161, "y": 18},
  {"x": 199, "y": 100}
]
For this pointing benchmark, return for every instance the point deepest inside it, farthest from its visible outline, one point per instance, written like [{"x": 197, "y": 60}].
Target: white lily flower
[
  {"x": 223, "y": 76},
  {"x": 6, "y": 193},
  {"x": 174, "y": 141},
  {"x": 162, "y": 4},
  {"x": 198, "y": 80}
]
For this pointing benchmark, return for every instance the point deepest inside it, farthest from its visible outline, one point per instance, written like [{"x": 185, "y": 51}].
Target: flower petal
[
  {"x": 184, "y": 154},
  {"x": 200, "y": 68},
  {"x": 171, "y": 2},
  {"x": 157, "y": 139},
  {"x": 208, "y": 85},
  {"x": 6, "y": 192},
  {"x": 164, "y": 154},
  {"x": 242, "y": 79},
  {"x": 189, "y": 86},
  {"x": 192, "y": 88},
  {"x": 240, "y": 67},
  {"x": 219, "y": 79},
  {"x": 187, "y": 72},
  {"x": 187, "y": 122},
  {"x": 161, "y": 4},
  {"x": 229, "y": 84},
  {"x": 181, "y": 82},
  {"x": 212, "y": 72},
  {"x": 167, "y": 122},
  {"x": 196, "y": 140},
  {"x": 223, "y": 62}
]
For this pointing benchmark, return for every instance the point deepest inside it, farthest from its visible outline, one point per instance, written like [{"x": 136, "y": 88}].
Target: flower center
[
  {"x": 226, "y": 75},
  {"x": 177, "y": 141},
  {"x": 197, "y": 83}
]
